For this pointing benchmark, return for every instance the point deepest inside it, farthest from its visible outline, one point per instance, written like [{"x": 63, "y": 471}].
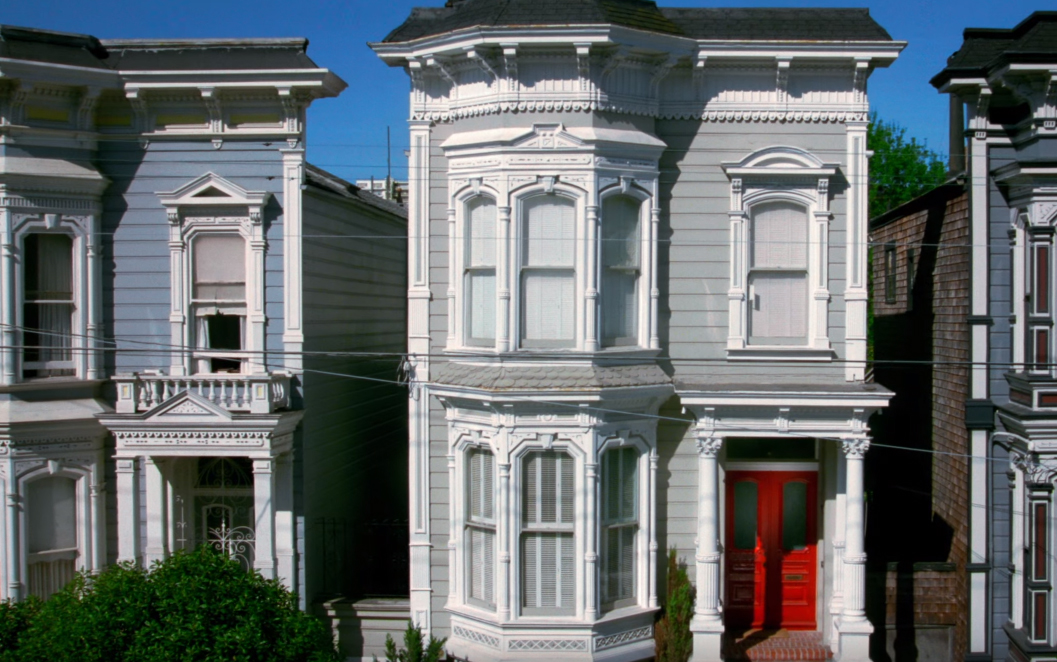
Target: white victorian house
[{"x": 637, "y": 321}]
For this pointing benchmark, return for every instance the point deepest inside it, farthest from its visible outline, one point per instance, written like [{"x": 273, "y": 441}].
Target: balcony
[{"x": 253, "y": 394}]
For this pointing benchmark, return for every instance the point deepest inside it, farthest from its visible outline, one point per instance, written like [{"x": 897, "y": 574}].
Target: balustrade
[{"x": 255, "y": 394}]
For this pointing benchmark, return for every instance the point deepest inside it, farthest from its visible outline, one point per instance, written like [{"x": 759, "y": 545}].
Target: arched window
[
  {"x": 778, "y": 274},
  {"x": 479, "y": 274},
  {"x": 620, "y": 270},
  {"x": 548, "y": 272},
  {"x": 548, "y": 570}
]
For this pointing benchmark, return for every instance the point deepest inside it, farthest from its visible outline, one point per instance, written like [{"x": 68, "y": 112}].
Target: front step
[{"x": 775, "y": 645}]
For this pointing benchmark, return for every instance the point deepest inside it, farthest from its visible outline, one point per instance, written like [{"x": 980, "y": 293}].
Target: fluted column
[
  {"x": 127, "y": 509},
  {"x": 707, "y": 624},
  {"x": 157, "y": 511},
  {"x": 853, "y": 628}
]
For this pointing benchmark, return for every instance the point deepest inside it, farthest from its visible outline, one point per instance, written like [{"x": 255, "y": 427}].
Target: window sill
[
  {"x": 517, "y": 621},
  {"x": 780, "y": 353},
  {"x": 489, "y": 353}
]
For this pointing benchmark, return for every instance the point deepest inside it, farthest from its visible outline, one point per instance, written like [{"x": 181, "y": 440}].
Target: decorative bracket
[
  {"x": 86, "y": 109},
  {"x": 613, "y": 61},
  {"x": 212, "y": 104},
  {"x": 583, "y": 65},
  {"x": 443, "y": 67},
  {"x": 138, "y": 100},
  {"x": 510, "y": 66},
  {"x": 660, "y": 72},
  {"x": 978, "y": 122},
  {"x": 482, "y": 61},
  {"x": 782, "y": 79},
  {"x": 16, "y": 102},
  {"x": 862, "y": 72},
  {"x": 291, "y": 109}
]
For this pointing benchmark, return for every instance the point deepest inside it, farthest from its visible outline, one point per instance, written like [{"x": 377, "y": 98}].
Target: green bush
[
  {"x": 199, "y": 606},
  {"x": 413, "y": 650},
  {"x": 15, "y": 618},
  {"x": 672, "y": 638}
]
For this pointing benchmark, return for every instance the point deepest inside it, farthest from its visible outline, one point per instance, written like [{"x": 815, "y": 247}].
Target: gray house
[
  {"x": 192, "y": 316},
  {"x": 637, "y": 321}
]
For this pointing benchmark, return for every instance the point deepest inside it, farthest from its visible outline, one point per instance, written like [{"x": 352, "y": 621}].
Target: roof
[
  {"x": 698, "y": 22},
  {"x": 582, "y": 377},
  {"x": 82, "y": 50},
  {"x": 983, "y": 49},
  {"x": 321, "y": 179}
]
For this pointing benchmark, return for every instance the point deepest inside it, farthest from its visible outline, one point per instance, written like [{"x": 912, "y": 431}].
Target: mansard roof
[
  {"x": 815, "y": 24},
  {"x": 1033, "y": 40}
]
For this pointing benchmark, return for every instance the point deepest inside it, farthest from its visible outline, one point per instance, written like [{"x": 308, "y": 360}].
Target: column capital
[
  {"x": 855, "y": 448},
  {"x": 708, "y": 446}
]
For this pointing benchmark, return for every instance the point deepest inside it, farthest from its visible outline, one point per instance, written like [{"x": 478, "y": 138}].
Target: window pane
[
  {"x": 620, "y": 232},
  {"x": 619, "y": 482},
  {"x": 1042, "y": 279},
  {"x": 219, "y": 268},
  {"x": 779, "y": 236},
  {"x": 482, "y": 565},
  {"x": 51, "y": 514},
  {"x": 47, "y": 314},
  {"x": 49, "y": 267},
  {"x": 480, "y": 292},
  {"x": 548, "y": 574},
  {"x": 1039, "y": 536},
  {"x": 548, "y": 488},
  {"x": 618, "y": 572},
  {"x": 547, "y": 311},
  {"x": 619, "y": 309},
  {"x": 745, "y": 495},
  {"x": 480, "y": 249},
  {"x": 794, "y": 516},
  {"x": 778, "y": 306},
  {"x": 549, "y": 232},
  {"x": 482, "y": 472}
]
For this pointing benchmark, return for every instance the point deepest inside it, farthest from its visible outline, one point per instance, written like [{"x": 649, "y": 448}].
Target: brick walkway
[{"x": 776, "y": 645}]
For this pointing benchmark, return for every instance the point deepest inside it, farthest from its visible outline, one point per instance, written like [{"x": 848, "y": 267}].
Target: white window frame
[
  {"x": 86, "y": 321},
  {"x": 482, "y": 524},
  {"x": 458, "y": 290},
  {"x": 780, "y": 174},
  {"x": 647, "y": 258},
  {"x": 211, "y": 203},
  {"x": 643, "y": 524}
]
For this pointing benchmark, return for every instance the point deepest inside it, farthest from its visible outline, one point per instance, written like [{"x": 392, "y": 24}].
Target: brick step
[{"x": 776, "y": 645}]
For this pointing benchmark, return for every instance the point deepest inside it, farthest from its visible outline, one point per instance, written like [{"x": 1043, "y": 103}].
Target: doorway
[{"x": 771, "y": 543}]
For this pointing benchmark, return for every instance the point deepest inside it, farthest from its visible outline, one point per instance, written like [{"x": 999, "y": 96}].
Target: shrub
[
  {"x": 672, "y": 638},
  {"x": 15, "y": 618},
  {"x": 413, "y": 650},
  {"x": 198, "y": 606}
]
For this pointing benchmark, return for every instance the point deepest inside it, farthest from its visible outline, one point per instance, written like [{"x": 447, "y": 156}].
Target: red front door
[{"x": 770, "y": 549}]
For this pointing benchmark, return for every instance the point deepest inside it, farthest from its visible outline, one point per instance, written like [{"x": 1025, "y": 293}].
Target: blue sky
[{"x": 347, "y": 134}]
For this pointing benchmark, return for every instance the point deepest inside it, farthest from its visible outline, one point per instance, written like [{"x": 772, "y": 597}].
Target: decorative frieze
[
  {"x": 191, "y": 438},
  {"x": 621, "y": 638}
]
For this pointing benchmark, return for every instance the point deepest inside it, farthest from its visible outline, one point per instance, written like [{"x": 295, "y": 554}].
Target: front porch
[{"x": 206, "y": 459}]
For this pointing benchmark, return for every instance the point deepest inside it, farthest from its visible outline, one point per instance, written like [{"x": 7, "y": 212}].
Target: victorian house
[
  {"x": 978, "y": 253},
  {"x": 637, "y": 282},
  {"x": 186, "y": 310}
]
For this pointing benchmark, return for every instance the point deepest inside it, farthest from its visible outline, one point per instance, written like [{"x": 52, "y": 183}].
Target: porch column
[
  {"x": 127, "y": 510},
  {"x": 14, "y": 546},
  {"x": 157, "y": 511},
  {"x": 264, "y": 517},
  {"x": 853, "y": 630},
  {"x": 707, "y": 624},
  {"x": 284, "y": 520}
]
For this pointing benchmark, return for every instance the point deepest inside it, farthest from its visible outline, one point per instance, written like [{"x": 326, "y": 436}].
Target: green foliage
[
  {"x": 672, "y": 638},
  {"x": 15, "y": 617},
  {"x": 413, "y": 649},
  {"x": 900, "y": 169},
  {"x": 198, "y": 606}
]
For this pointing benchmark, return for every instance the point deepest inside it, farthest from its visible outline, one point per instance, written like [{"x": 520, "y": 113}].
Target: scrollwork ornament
[
  {"x": 855, "y": 448},
  {"x": 1035, "y": 472}
]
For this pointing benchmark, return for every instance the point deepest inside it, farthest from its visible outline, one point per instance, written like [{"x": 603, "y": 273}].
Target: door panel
[{"x": 771, "y": 549}]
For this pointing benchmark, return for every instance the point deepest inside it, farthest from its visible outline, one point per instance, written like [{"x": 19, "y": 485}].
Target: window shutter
[
  {"x": 219, "y": 267},
  {"x": 779, "y": 236}
]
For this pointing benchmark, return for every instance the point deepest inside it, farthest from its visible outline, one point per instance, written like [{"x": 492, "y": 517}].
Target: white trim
[{"x": 810, "y": 465}]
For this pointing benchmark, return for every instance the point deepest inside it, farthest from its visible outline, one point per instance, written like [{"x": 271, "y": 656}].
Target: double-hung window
[
  {"x": 620, "y": 270},
  {"x": 218, "y": 297},
  {"x": 548, "y": 272},
  {"x": 548, "y": 574},
  {"x": 479, "y": 275},
  {"x": 1038, "y": 307},
  {"x": 778, "y": 274},
  {"x": 1037, "y": 568},
  {"x": 620, "y": 524},
  {"x": 48, "y": 305},
  {"x": 480, "y": 529}
]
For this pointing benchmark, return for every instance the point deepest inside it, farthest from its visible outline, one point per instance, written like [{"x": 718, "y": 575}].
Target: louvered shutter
[
  {"x": 547, "y": 555},
  {"x": 778, "y": 281},
  {"x": 620, "y": 269},
  {"x": 480, "y": 269},
  {"x": 548, "y": 309},
  {"x": 480, "y": 534}
]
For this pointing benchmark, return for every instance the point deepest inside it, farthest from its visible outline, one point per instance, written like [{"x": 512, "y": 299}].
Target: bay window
[
  {"x": 548, "y": 572},
  {"x": 548, "y": 272},
  {"x": 778, "y": 277},
  {"x": 480, "y": 271},
  {"x": 620, "y": 525},
  {"x": 620, "y": 270},
  {"x": 51, "y": 519},
  {"x": 481, "y": 529},
  {"x": 218, "y": 298},
  {"x": 48, "y": 305}
]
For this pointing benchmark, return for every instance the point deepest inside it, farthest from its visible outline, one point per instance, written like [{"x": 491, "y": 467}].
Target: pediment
[
  {"x": 548, "y": 136},
  {"x": 187, "y": 407},
  {"x": 780, "y": 159},
  {"x": 211, "y": 190}
]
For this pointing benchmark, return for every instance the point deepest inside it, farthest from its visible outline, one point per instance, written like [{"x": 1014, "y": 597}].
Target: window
[
  {"x": 620, "y": 524},
  {"x": 51, "y": 517},
  {"x": 778, "y": 279},
  {"x": 48, "y": 305},
  {"x": 480, "y": 271},
  {"x": 548, "y": 274},
  {"x": 548, "y": 573},
  {"x": 1037, "y": 563},
  {"x": 620, "y": 271},
  {"x": 1039, "y": 321},
  {"x": 890, "y": 273},
  {"x": 218, "y": 298},
  {"x": 910, "y": 278},
  {"x": 480, "y": 529}
]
